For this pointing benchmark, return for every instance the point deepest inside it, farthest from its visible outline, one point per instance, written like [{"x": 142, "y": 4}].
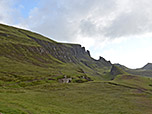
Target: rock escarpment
[
  {"x": 73, "y": 53},
  {"x": 64, "y": 52}
]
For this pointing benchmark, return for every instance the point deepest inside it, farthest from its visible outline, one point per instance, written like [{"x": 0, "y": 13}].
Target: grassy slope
[
  {"x": 126, "y": 94},
  {"x": 21, "y": 60},
  {"x": 28, "y": 83},
  {"x": 84, "y": 98}
]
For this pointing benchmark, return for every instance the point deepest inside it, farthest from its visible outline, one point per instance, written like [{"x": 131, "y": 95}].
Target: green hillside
[
  {"x": 145, "y": 71},
  {"x": 42, "y": 76},
  {"x": 27, "y": 58}
]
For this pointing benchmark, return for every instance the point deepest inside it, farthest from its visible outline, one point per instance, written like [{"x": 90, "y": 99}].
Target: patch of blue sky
[{"x": 25, "y": 6}]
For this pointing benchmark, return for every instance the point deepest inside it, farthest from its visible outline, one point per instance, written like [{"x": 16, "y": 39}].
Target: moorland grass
[{"x": 84, "y": 98}]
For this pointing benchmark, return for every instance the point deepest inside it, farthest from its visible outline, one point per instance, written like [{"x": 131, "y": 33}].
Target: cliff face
[
  {"x": 64, "y": 52},
  {"x": 70, "y": 53}
]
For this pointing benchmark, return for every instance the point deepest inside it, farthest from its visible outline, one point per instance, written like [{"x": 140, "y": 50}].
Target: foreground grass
[{"x": 85, "y": 98}]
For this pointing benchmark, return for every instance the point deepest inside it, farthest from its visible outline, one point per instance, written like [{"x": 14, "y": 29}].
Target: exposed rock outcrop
[
  {"x": 63, "y": 52},
  {"x": 115, "y": 70},
  {"x": 65, "y": 80},
  {"x": 74, "y": 53}
]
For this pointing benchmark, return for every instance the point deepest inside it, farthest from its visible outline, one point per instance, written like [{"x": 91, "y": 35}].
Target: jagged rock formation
[
  {"x": 73, "y": 53},
  {"x": 64, "y": 52},
  {"x": 70, "y": 53}
]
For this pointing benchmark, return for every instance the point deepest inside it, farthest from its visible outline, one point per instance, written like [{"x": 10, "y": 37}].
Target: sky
[{"x": 118, "y": 30}]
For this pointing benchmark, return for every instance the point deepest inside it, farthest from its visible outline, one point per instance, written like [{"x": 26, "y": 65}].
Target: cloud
[
  {"x": 131, "y": 52},
  {"x": 69, "y": 20},
  {"x": 8, "y": 14},
  {"x": 98, "y": 20},
  {"x": 136, "y": 20},
  {"x": 66, "y": 20}
]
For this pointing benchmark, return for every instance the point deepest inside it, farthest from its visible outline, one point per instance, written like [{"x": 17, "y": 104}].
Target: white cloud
[
  {"x": 66, "y": 19},
  {"x": 131, "y": 52},
  {"x": 96, "y": 19},
  {"x": 134, "y": 22},
  {"x": 8, "y": 14}
]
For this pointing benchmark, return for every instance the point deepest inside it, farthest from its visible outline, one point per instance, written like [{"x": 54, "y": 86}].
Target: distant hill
[
  {"x": 144, "y": 71},
  {"x": 148, "y": 66}
]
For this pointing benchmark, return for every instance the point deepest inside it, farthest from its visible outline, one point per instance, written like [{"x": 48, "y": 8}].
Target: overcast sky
[{"x": 118, "y": 30}]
